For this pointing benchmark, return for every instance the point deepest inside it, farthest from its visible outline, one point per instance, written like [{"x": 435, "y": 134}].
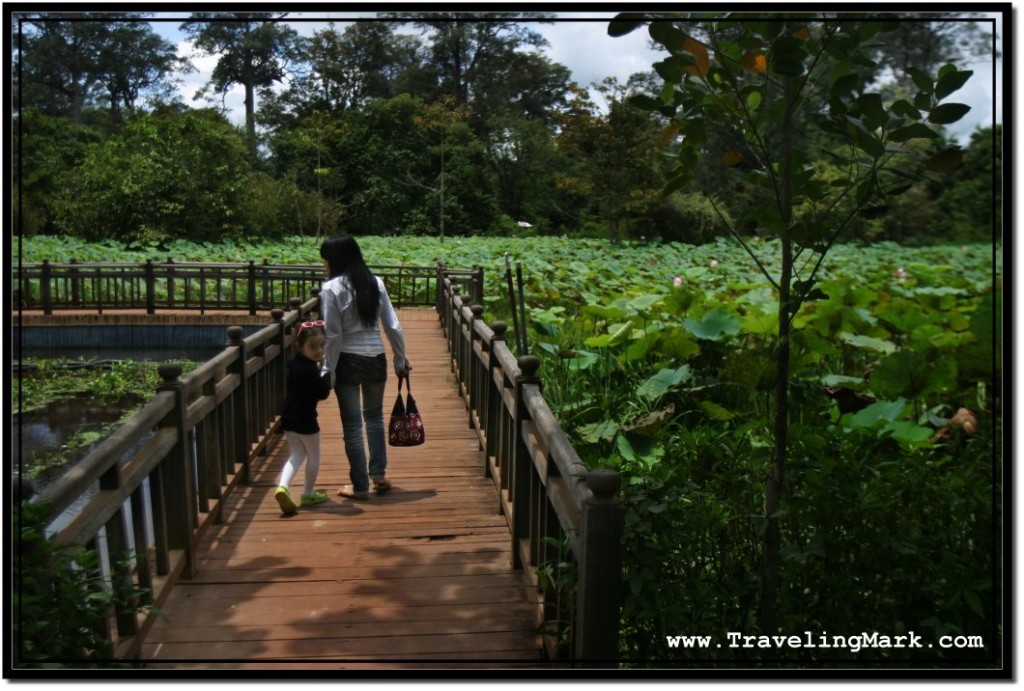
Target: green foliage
[
  {"x": 688, "y": 217},
  {"x": 50, "y": 147},
  {"x": 666, "y": 381},
  {"x": 62, "y": 604},
  {"x": 160, "y": 177}
]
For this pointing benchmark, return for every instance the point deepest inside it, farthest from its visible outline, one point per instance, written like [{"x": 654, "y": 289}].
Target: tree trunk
[
  {"x": 250, "y": 116},
  {"x": 769, "y": 614}
]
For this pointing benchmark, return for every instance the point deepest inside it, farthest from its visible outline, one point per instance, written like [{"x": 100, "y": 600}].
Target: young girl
[
  {"x": 304, "y": 388},
  {"x": 356, "y": 306}
]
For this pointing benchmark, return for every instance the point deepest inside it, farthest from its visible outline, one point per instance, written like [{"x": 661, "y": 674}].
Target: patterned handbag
[{"x": 406, "y": 426}]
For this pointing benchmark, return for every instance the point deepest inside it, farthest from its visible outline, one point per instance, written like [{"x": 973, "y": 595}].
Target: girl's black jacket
[{"x": 304, "y": 388}]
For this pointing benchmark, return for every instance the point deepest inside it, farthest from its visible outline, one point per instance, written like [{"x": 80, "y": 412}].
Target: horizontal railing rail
[
  {"x": 566, "y": 521},
  {"x": 146, "y": 495},
  {"x": 163, "y": 476},
  {"x": 169, "y": 285}
]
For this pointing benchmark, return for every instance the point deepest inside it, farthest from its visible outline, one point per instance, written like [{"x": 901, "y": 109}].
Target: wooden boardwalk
[{"x": 417, "y": 578}]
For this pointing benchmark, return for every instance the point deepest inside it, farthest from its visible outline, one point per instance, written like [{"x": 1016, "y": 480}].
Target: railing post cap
[
  {"x": 604, "y": 483},
  {"x": 277, "y": 314},
  {"x": 169, "y": 371},
  {"x": 499, "y": 329},
  {"x": 528, "y": 365},
  {"x": 234, "y": 334},
  {"x": 477, "y": 310},
  {"x": 294, "y": 303}
]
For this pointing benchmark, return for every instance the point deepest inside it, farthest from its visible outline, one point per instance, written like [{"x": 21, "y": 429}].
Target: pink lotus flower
[
  {"x": 677, "y": 281},
  {"x": 713, "y": 263}
]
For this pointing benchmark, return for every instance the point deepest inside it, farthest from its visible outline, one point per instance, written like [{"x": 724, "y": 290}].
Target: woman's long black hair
[{"x": 344, "y": 258}]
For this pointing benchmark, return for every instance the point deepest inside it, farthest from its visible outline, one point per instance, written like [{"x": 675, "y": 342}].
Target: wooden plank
[{"x": 412, "y": 578}]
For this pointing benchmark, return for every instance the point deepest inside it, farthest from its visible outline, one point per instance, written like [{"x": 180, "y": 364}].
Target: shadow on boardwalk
[{"x": 419, "y": 577}]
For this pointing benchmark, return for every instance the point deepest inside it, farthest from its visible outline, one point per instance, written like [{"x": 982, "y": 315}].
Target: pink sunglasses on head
[{"x": 308, "y": 325}]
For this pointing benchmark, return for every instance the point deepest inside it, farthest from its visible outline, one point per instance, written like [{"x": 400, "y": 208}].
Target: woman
[{"x": 354, "y": 304}]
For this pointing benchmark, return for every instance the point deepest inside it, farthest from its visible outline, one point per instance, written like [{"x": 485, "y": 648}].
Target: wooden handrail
[
  {"x": 203, "y": 286},
  {"x": 185, "y": 450},
  {"x": 558, "y": 510},
  {"x": 214, "y": 422}
]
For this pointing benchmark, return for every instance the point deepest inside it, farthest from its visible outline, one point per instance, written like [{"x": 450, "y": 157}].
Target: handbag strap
[{"x": 405, "y": 379}]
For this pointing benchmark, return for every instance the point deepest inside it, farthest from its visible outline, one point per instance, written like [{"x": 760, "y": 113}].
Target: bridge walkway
[{"x": 420, "y": 577}]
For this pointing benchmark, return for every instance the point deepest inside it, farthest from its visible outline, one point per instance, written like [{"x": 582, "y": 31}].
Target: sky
[{"x": 580, "y": 42}]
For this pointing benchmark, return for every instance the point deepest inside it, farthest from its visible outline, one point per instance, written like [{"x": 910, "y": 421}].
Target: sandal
[
  {"x": 381, "y": 486},
  {"x": 349, "y": 492}
]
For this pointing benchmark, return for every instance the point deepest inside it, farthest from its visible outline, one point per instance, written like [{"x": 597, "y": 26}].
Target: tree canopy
[{"x": 427, "y": 122}]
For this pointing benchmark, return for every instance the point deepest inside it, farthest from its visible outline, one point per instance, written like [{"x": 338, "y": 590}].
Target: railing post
[
  {"x": 478, "y": 284},
  {"x": 455, "y": 334},
  {"x": 170, "y": 283},
  {"x": 150, "y": 288},
  {"x": 252, "y": 288},
  {"x": 240, "y": 407},
  {"x": 44, "y": 287},
  {"x": 600, "y": 570},
  {"x": 493, "y": 404},
  {"x": 440, "y": 290},
  {"x": 279, "y": 366},
  {"x": 176, "y": 481},
  {"x": 76, "y": 296},
  {"x": 519, "y": 485},
  {"x": 472, "y": 374}
]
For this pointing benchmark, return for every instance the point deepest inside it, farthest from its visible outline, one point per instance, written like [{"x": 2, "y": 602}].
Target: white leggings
[{"x": 303, "y": 447}]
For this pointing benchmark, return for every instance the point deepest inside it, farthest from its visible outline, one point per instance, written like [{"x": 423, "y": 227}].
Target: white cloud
[
  {"x": 591, "y": 54},
  {"x": 580, "y": 42}
]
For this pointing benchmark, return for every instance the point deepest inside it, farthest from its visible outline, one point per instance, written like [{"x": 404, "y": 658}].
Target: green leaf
[
  {"x": 876, "y": 412},
  {"x": 868, "y": 342},
  {"x": 921, "y": 79},
  {"x": 915, "y": 131},
  {"x": 713, "y": 325},
  {"x": 716, "y": 412},
  {"x": 904, "y": 373},
  {"x": 599, "y": 431},
  {"x": 908, "y": 434},
  {"x": 950, "y": 82},
  {"x": 670, "y": 69},
  {"x": 843, "y": 381},
  {"x": 666, "y": 33},
  {"x": 644, "y": 102},
  {"x": 874, "y": 113},
  {"x": 905, "y": 108},
  {"x": 625, "y": 23},
  {"x": 753, "y": 100},
  {"x": 869, "y": 143},
  {"x": 948, "y": 113},
  {"x": 658, "y": 385},
  {"x": 647, "y": 425}
]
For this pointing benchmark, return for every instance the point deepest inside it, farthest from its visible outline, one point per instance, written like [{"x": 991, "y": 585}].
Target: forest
[
  {"x": 764, "y": 281},
  {"x": 460, "y": 128}
]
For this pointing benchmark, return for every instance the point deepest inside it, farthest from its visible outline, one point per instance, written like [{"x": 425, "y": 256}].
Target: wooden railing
[
  {"x": 566, "y": 520},
  {"x": 201, "y": 286},
  {"x": 163, "y": 475}
]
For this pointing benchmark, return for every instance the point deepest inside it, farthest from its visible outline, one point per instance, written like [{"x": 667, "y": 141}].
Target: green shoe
[
  {"x": 314, "y": 498},
  {"x": 284, "y": 499}
]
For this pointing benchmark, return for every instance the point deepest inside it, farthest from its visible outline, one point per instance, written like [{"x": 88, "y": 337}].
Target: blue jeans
[{"x": 353, "y": 414}]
